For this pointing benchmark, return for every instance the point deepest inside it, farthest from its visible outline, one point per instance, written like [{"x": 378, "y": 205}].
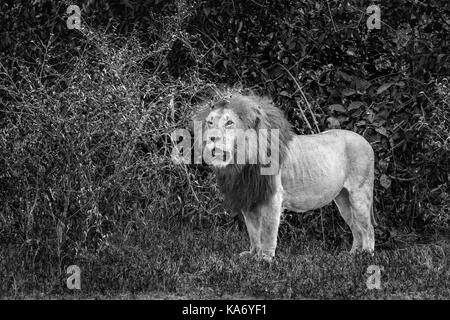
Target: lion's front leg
[
  {"x": 262, "y": 226},
  {"x": 270, "y": 221},
  {"x": 253, "y": 224}
]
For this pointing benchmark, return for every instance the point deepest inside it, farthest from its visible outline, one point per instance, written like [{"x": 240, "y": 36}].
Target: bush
[
  {"x": 85, "y": 165},
  {"x": 86, "y": 116}
]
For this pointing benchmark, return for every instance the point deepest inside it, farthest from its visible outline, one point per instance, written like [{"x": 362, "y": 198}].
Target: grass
[{"x": 166, "y": 260}]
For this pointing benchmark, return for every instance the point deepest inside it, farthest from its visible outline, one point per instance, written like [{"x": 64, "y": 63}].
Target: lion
[{"x": 311, "y": 171}]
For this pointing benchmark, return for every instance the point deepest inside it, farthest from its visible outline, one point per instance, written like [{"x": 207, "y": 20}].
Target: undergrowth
[{"x": 86, "y": 176}]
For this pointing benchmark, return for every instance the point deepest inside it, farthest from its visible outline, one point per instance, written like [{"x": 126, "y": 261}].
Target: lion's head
[
  {"x": 238, "y": 141},
  {"x": 223, "y": 129}
]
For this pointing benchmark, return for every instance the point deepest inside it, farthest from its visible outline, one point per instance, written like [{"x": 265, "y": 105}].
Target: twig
[
  {"x": 189, "y": 183},
  {"x": 45, "y": 56},
  {"x": 303, "y": 116},
  {"x": 331, "y": 17},
  {"x": 403, "y": 179},
  {"x": 9, "y": 77},
  {"x": 187, "y": 175},
  {"x": 306, "y": 101},
  {"x": 258, "y": 4}
]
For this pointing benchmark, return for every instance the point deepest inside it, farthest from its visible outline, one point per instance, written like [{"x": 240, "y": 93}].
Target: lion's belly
[{"x": 314, "y": 172}]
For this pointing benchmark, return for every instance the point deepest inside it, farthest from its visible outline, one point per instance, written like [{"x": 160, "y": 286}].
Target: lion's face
[{"x": 223, "y": 128}]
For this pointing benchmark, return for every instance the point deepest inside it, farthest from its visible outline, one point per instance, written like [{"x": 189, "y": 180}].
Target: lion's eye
[
  {"x": 229, "y": 123},
  {"x": 210, "y": 123}
]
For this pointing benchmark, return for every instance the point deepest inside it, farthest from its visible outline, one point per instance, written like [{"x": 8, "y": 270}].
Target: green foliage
[
  {"x": 385, "y": 84},
  {"x": 86, "y": 117},
  {"x": 84, "y": 153}
]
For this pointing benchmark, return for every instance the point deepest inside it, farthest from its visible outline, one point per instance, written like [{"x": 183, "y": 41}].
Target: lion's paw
[
  {"x": 245, "y": 254},
  {"x": 265, "y": 257}
]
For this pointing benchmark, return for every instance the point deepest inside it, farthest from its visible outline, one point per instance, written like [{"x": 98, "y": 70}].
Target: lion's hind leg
[
  {"x": 345, "y": 209},
  {"x": 361, "y": 205},
  {"x": 355, "y": 207}
]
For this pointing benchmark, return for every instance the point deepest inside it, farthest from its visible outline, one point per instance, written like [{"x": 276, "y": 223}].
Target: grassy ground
[{"x": 174, "y": 261}]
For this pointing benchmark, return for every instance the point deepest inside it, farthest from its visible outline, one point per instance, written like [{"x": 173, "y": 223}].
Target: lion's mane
[{"x": 242, "y": 185}]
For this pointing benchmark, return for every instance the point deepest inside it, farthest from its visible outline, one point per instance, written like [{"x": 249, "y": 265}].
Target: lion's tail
[{"x": 372, "y": 216}]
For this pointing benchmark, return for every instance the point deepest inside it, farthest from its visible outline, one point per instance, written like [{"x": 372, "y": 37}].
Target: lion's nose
[{"x": 213, "y": 139}]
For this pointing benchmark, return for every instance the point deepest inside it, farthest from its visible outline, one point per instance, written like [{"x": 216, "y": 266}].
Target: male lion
[{"x": 313, "y": 170}]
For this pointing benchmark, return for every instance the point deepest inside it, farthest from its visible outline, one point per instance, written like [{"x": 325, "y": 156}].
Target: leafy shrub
[
  {"x": 86, "y": 164},
  {"x": 86, "y": 116}
]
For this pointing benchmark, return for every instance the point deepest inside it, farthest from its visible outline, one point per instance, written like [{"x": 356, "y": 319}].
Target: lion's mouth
[{"x": 219, "y": 154}]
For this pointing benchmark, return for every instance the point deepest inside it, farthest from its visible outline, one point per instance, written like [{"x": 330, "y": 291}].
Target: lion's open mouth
[{"x": 219, "y": 154}]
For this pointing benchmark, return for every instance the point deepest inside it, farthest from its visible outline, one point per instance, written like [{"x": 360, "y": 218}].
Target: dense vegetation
[{"x": 85, "y": 117}]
